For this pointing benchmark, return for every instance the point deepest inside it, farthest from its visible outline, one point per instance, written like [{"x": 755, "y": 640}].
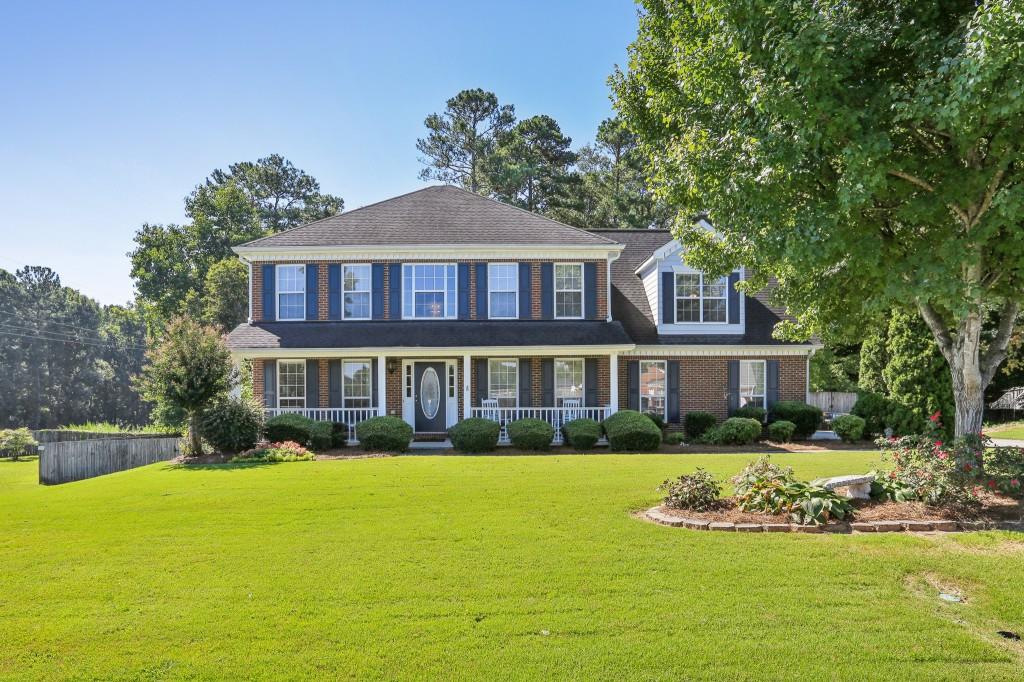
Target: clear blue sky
[{"x": 112, "y": 112}]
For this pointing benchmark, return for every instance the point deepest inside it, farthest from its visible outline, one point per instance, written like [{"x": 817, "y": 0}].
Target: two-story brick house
[{"x": 440, "y": 304}]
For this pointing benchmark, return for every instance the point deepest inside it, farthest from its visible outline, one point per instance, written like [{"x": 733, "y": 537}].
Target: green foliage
[
  {"x": 290, "y": 427},
  {"x": 917, "y": 375},
  {"x": 582, "y": 434},
  {"x": 232, "y": 424},
  {"x": 288, "y": 451},
  {"x": 531, "y": 434},
  {"x": 475, "y": 435},
  {"x": 806, "y": 417},
  {"x": 675, "y": 438},
  {"x": 629, "y": 430},
  {"x": 849, "y": 427},
  {"x": 339, "y": 435},
  {"x": 384, "y": 434},
  {"x": 226, "y": 294},
  {"x": 530, "y": 166},
  {"x": 886, "y": 487},
  {"x": 110, "y": 427},
  {"x": 761, "y": 469},
  {"x": 696, "y": 423},
  {"x": 936, "y": 473},
  {"x": 733, "y": 431},
  {"x": 880, "y": 413},
  {"x": 658, "y": 419},
  {"x": 1004, "y": 470},
  {"x": 835, "y": 369},
  {"x": 751, "y": 412},
  {"x": 15, "y": 443},
  {"x": 806, "y": 504},
  {"x": 874, "y": 356},
  {"x": 698, "y": 491},
  {"x": 781, "y": 431}
]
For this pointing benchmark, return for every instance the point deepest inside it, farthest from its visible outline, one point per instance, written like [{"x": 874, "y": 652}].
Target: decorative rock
[
  {"x": 944, "y": 526},
  {"x": 718, "y": 525},
  {"x": 696, "y": 524},
  {"x": 776, "y": 527},
  {"x": 749, "y": 528},
  {"x": 862, "y": 527},
  {"x": 917, "y": 526},
  {"x": 856, "y": 486},
  {"x": 888, "y": 526},
  {"x": 664, "y": 519}
]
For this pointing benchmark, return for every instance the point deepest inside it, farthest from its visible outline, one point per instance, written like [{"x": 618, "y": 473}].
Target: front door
[{"x": 429, "y": 396}]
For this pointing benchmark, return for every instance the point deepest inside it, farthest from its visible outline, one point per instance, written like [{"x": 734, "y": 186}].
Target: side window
[{"x": 291, "y": 292}]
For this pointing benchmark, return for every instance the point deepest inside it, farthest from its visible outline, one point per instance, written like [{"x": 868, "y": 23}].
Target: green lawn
[
  {"x": 1014, "y": 431},
  {"x": 474, "y": 568}
]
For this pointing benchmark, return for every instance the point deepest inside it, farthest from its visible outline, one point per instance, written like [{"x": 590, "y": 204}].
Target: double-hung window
[
  {"x": 503, "y": 381},
  {"x": 569, "y": 290},
  {"x": 568, "y": 380},
  {"x": 652, "y": 387},
  {"x": 291, "y": 383},
  {"x": 357, "y": 383},
  {"x": 700, "y": 299},
  {"x": 752, "y": 383},
  {"x": 291, "y": 292},
  {"x": 355, "y": 282},
  {"x": 429, "y": 291},
  {"x": 503, "y": 290}
]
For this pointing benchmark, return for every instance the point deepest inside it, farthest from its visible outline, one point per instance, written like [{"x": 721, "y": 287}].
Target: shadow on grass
[
  {"x": 20, "y": 460},
  {"x": 219, "y": 466}
]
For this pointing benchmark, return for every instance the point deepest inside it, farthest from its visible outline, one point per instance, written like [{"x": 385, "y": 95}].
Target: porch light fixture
[{"x": 392, "y": 365}]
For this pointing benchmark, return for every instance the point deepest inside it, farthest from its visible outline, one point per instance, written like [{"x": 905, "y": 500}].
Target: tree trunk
[
  {"x": 195, "y": 443},
  {"x": 969, "y": 396}
]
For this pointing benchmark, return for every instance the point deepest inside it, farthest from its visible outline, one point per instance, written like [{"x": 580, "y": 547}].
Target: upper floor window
[
  {"x": 503, "y": 290},
  {"x": 652, "y": 387},
  {"x": 357, "y": 383},
  {"x": 568, "y": 380},
  {"x": 701, "y": 300},
  {"x": 356, "y": 292},
  {"x": 569, "y": 290},
  {"x": 291, "y": 292},
  {"x": 429, "y": 291},
  {"x": 291, "y": 383},
  {"x": 503, "y": 381},
  {"x": 752, "y": 383}
]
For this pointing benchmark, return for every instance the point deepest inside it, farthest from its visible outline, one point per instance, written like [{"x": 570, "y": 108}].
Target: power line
[
  {"x": 93, "y": 335},
  {"x": 67, "y": 339},
  {"x": 41, "y": 320}
]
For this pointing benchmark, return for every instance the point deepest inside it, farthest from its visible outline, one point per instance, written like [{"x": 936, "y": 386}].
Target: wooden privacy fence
[
  {"x": 76, "y": 460},
  {"x": 838, "y": 402}
]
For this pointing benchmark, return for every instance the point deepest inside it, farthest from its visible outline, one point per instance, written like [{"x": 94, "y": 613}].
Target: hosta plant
[{"x": 806, "y": 504}]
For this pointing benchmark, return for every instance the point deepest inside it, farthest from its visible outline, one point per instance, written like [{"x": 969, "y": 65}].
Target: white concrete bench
[{"x": 855, "y": 486}]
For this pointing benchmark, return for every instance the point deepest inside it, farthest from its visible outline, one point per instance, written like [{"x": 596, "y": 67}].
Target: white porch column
[
  {"x": 613, "y": 382},
  {"x": 466, "y": 369},
  {"x": 382, "y": 385},
  {"x": 240, "y": 367}
]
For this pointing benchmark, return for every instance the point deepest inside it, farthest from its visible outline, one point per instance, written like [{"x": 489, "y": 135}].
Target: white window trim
[
  {"x": 764, "y": 377},
  {"x": 700, "y": 299},
  {"x": 278, "y": 292},
  {"x": 490, "y": 383},
  {"x": 583, "y": 379},
  {"x": 445, "y": 292},
  {"x": 369, "y": 290},
  {"x": 302, "y": 363},
  {"x": 344, "y": 395},
  {"x": 490, "y": 290},
  {"x": 555, "y": 290},
  {"x": 640, "y": 397}
]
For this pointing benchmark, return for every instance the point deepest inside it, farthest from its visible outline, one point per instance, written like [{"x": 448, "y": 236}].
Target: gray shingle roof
[{"x": 440, "y": 214}]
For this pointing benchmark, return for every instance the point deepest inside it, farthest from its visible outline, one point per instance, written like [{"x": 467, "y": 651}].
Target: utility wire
[{"x": 68, "y": 339}]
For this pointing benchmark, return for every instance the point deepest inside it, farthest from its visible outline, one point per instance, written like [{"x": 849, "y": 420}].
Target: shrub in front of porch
[
  {"x": 475, "y": 435},
  {"x": 531, "y": 434},
  {"x": 781, "y": 431},
  {"x": 751, "y": 412},
  {"x": 733, "y": 431},
  {"x": 232, "y": 424},
  {"x": 299, "y": 429},
  {"x": 582, "y": 434},
  {"x": 696, "y": 423},
  {"x": 806, "y": 417},
  {"x": 385, "y": 434},
  {"x": 629, "y": 430}
]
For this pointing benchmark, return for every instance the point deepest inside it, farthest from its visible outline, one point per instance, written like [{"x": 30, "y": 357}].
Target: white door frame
[{"x": 450, "y": 385}]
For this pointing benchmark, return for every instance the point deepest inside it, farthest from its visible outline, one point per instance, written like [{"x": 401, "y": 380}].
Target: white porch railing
[
  {"x": 349, "y": 416},
  {"x": 556, "y": 416}
]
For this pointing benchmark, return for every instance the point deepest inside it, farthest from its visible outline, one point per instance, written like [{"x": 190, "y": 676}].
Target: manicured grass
[
  {"x": 1014, "y": 431},
  {"x": 475, "y": 568}
]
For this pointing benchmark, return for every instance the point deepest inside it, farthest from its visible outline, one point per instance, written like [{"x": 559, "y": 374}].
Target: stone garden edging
[{"x": 656, "y": 515}]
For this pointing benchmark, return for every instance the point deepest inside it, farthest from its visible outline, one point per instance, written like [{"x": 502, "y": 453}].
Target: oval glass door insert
[{"x": 430, "y": 393}]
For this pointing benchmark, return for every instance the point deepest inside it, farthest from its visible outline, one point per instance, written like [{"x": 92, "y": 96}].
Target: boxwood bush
[
  {"x": 289, "y": 427},
  {"x": 849, "y": 427},
  {"x": 630, "y": 430},
  {"x": 232, "y": 424},
  {"x": 385, "y": 434},
  {"x": 806, "y": 417},
  {"x": 781, "y": 431},
  {"x": 321, "y": 436},
  {"x": 531, "y": 434},
  {"x": 582, "y": 434},
  {"x": 751, "y": 412},
  {"x": 733, "y": 431},
  {"x": 475, "y": 435},
  {"x": 880, "y": 413},
  {"x": 696, "y": 423}
]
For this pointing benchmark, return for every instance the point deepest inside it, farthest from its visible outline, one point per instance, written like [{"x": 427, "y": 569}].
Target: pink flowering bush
[
  {"x": 1004, "y": 471},
  {"x": 285, "y": 451},
  {"x": 935, "y": 472}
]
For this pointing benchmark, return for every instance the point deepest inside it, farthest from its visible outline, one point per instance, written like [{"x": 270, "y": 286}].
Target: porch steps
[{"x": 430, "y": 444}]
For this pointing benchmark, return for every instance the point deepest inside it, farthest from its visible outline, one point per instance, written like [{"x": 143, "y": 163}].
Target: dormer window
[
  {"x": 701, "y": 300},
  {"x": 569, "y": 290},
  {"x": 291, "y": 292}
]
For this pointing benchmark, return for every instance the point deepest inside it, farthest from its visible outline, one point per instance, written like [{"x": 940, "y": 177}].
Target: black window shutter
[
  {"x": 395, "y": 291},
  {"x": 672, "y": 369},
  {"x": 547, "y": 291},
  {"x": 377, "y": 290},
  {"x": 270, "y": 383},
  {"x": 772, "y": 383},
  {"x": 590, "y": 382},
  {"x": 633, "y": 384},
  {"x": 481, "y": 380},
  {"x": 590, "y": 291},
  {"x": 463, "y": 291},
  {"x": 269, "y": 284},
  {"x": 481, "y": 291},
  {"x": 525, "y": 284},
  {"x": 525, "y": 382},
  {"x": 668, "y": 298},
  {"x": 312, "y": 383},
  {"x": 373, "y": 382},
  {"x": 334, "y": 292},
  {"x": 734, "y": 298},
  {"x": 733, "y": 399},
  {"x": 312, "y": 291},
  {"x": 547, "y": 382},
  {"x": 334, "y": 383}
]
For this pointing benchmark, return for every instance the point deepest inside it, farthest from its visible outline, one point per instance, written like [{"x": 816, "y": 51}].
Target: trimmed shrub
[
  {"x": 781, "y": 431},
  {"x": 880, "y": 413},
  {"x": 806, "y": 417},
  {"x": 733, "y": 431},
  {"x": 385, "y": 434},
  {"x": 849, "y": 427},
  {"x": 475, "y": 435},
  {"x": 658, "y": 420},
  {"x": 698, "y": 491},
  {"x": 696, "y": 423},
  {"x": 630, "y": 430},
  {"x": 676, "y": 438},
  {"x": 321, "y": 435},
  {"x": 531, "y": 434},
  {"x": 289, "y": 427},
  {"x": 582, "y": 434},
  {"x": 339, "y": 434},
  {"x": 232, "y": 424},
  {"x": 751, "y": 412}
]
